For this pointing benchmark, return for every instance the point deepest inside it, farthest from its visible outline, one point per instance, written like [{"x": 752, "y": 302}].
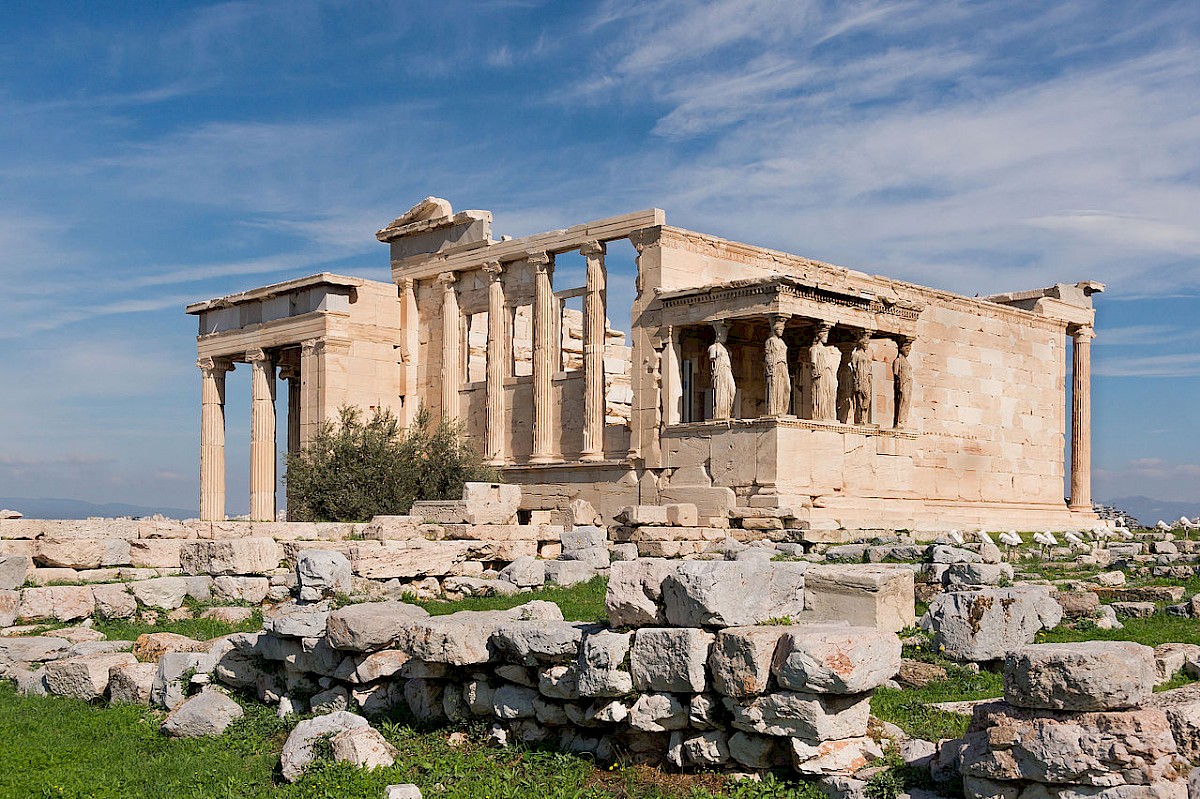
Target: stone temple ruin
[{"x": 755, "y": 383}]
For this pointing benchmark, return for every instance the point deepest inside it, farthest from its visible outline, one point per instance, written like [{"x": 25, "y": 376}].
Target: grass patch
[
  {"x": 909, "y": 708},
  {"x": 582, "y": 602},
  {"x": 197, "y": 628},
  {"x": 1158, "y": 629},
  {"x": 55, "y": 747}
]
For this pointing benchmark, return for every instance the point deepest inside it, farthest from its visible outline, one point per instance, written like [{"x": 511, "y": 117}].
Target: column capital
[
  {"x": 493, "y": 269},
  {"x": 257, "y": 355},
  {"x": 641, "y": 239},
  {"x": 210, "y": 364},
  {"x": 904, "y": 344},
  {"x": 539, "y": 259},
  {"x": 289, "y": 372},
  {"x": 1082, "y": 332},
  {"x": 592, "y": 248},
  {"x": 406, "y": 284},
  {"x": 447, "y": 279}
]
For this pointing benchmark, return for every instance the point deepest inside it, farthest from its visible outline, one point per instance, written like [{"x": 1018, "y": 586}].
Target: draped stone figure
[
  {"x": 860, "y": 376},
  {"x": 723, "y": 383},
  {"x": 903, "y": 382},
  {"x": 824, "y": 366},
  {"x": 779, "y": 380}
]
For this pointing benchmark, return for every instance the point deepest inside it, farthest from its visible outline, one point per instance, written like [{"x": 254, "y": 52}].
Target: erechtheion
[{"x": 752, "y": 379}]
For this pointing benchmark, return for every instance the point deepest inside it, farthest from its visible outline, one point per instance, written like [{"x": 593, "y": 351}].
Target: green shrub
[{"x": 355, "y": 469}]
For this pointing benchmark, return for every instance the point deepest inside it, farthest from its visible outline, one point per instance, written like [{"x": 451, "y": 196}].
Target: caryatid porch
[{"x": 780, "y": 348}]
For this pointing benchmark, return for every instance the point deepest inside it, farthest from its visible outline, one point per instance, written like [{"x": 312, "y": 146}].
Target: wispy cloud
[{"x": 1186, "y": 364}]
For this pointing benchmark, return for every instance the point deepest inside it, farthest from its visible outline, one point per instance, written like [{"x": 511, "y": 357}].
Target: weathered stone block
[
  {"x": 13, "y": 571},
  {"x": 322, "y": 573},
  {"x": 732, "y": 593},
  {"x": 525, "y": 572},
  {"x": 62, "y": 602},
  {"x": 658, "y": 712},
  {"x": 863, "y": 595},
  {"x": 837, "y": 661},
  {"x": 371, "y": 626},
  {"x": 602, "y": 664},
  {"x": 586, "y": 537},
  {"x": 634, "y": 592},
  {"x": 811, "y": 717},
  {"x": 670, "y": 659},
  {"x": 131, "y": 682},
  {"x": 241, "y": 589},
  {"x": 989, "y": 623},
  {"x": 207, "y": 713},
  {"x": 569, "y": 572},
  {"x": 1092, "y": 675},
  {"x": 539, "y": 642},
  {"x": 165, "y": 593},
  {"x": 155, "y": 553},
  {"x": 298, "y": 749},
  {"x": 114, "y": 602},
  {"x": 292, "y": 620},
  {"x": 242, "y": 556},
  {"x": 84, "y": 677},
  {"x": 741, "y": 658}
]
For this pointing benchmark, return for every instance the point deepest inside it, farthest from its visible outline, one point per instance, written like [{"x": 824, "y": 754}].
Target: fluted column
[
  {"x": 262, "y": 436},
  {"x": 545, "y": 357},
  {"x": 594, "y": 304},
  {"x": 497, "y": 366},
  {"x": 410, "y": 338},
  {"x": 212, "y": 438},
  {"x": 1081, "y": 417},
  {"x": 451, "y": 366}
]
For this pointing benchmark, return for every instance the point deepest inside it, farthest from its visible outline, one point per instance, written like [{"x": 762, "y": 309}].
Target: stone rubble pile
[
  {"x": 1076, "y": 721},
  {"x": 703, "y": 666}
]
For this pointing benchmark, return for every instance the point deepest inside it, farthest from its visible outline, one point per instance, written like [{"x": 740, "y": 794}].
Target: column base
[
  {"x": 543, "y": 459},
  {"x": 591, "y": 457}
]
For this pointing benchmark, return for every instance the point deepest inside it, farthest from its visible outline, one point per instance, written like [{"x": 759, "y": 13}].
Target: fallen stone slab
[
  {"x": 61, "y": 602},
  {"x": 294, "y": 620},
  {"x": 733, "y": 593},
  {"x": 1182, "y": 708},
  {"x": 207, "y": 713},
  {"x": 150, "y": 647},
  {"x": 131, "y": 682},
  {"x": 463, "y": 638},
  {"x": 298, "y": 749},
  {"x": 1145, "y": 593},
  {"x": 864, "y": 595},
  {"x": 535, "y": 643},
  {"x": 371, "y": 626},
  {"x": 567, "y": 573},
  {"x": 989, "y": 623},
  {"x": 1102, "y": 749},
  {"x": 841, "y": 757},
  {"x": 239, "y": 556},
  {"x": 13, "y": 571},
  {"x": 741, "y": 657},
  {"x": 114, "y": 602},
  {"x": 1172, "y": 658},
  {"x": 1134, "y": 610},
  {"x": 848, "y": 660},
  {"x": 414, "y": 559},
  {"x": 634, "y": 595},
  {"x": 322, "y": 573},
  {"x": 477, "y": 586},
  {"x": 241, "y": 589},
  {"x": 164, "y": 593},
  {"x": 813, "y": 718},
  {"x": 1092, "y": 675},
  {"x": 364, "y": 747},
  {"x": 33, "y": 649},
  {"x": 84, "y": 677},
  {"x": 234, "y": 614},
  {"x": 670, "y": 659}
]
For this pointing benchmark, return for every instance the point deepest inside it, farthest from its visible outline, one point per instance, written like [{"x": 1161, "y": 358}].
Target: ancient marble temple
[{"x": 752, "y": 378}]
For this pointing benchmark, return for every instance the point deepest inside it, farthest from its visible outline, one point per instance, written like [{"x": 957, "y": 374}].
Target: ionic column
[
  {"x": 497, "y": 367},
  {"x": 262, "y": 436},
  {"x": 1081, "y": 417},
  {"x": 451, "y": 368},
  {"x": 545, "y": 357},
  {"x": 292, "y": 375},
  {"x": 593, "y": 352},
  {"x": 409, "y": 347},
  {"x": 212, "y": 438}
]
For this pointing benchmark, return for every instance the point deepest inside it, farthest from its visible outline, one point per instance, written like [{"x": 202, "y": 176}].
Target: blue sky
[{"x": 155, "y": 154}]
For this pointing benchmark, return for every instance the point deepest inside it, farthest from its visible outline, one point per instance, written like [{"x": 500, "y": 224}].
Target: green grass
[
  {"x": 583, "y": 602},
  {"x": 55, "y": 747},
  {"x": 909, "y": 708},
  {"x": 199, "y": 629},
  {"x": 1157, "y": 629}
]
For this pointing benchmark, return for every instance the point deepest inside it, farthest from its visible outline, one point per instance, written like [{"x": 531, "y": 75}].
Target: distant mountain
[
  {"x": 78, "y": 509},
  {"x": 1148, "y": 511}
]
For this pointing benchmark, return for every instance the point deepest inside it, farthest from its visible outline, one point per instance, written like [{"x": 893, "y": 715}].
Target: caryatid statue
[
  {"x": 779, "y": 381},
  {"x": 824, "y": 368},
  {"x": 723, "y": 383},
  {"x": 903, "y": 381},
  {"x": 860, "y": 377}
]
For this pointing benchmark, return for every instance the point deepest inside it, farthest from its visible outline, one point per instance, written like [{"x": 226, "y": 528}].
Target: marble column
[
  {"x": 410, "y": 346},
  {"x": 451, "y": 357},
  {"x": 497, "y": 366},
  {"x": 212, "y": 437},
  {"x": 1081, "y": 417},
  {"x": 593, "y": 351},
  {"x": 545, "y": 357},
  {"x": 262, "y": 436},
  {"x": 291, "y": 374}
]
